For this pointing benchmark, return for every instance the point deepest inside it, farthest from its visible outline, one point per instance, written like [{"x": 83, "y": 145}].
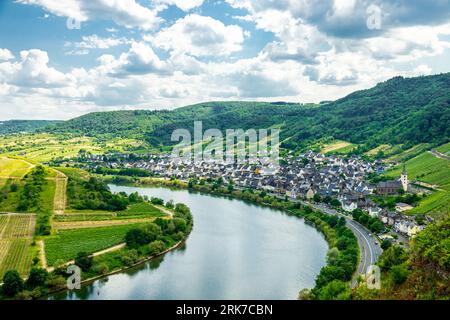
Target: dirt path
[
  {"x": 42, "y": 257},
  {"x": 95, "y": 254},
  {"x": 97, "y": 224},
  {"x": 439, "y": 155},
  {"x": 165, "y": 210}
]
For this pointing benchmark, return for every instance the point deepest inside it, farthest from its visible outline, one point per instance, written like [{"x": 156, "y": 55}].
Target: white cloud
[
  {"x": 140, "y": 59},
  {"x": 32, "y": 71},
  {"x": 200, "y": 36},
  {"x": 127, "y": 13},
  {"x": 184, "y": 5},
  {"x": 95, "y": 42},
  {"x": 5, "y": 54}
]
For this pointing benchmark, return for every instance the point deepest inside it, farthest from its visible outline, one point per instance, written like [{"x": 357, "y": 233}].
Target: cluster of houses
[{"x": 297, "y": 177}]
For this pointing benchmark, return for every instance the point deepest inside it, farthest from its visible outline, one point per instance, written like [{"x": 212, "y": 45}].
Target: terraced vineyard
[{"x": 16, "y": 233}]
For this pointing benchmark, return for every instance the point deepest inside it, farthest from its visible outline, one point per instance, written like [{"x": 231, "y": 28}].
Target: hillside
[
  {"x": 406, "y": 111},
  {"x": 16, "y": 126}
]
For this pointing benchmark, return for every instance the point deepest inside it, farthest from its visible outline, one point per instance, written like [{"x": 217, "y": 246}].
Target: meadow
[{"x": 68, "y": 243}]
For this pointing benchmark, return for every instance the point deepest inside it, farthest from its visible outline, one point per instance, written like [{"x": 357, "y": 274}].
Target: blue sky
[{"x": 142, "y": 54}]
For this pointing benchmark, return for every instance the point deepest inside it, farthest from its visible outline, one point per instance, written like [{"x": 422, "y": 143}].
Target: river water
[{"x": 236, "y": 251}]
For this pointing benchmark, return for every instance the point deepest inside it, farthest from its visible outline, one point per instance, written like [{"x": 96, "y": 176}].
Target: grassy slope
[
  {"x": 432, "y": 170},
  {"x": 13, "y": 168},
  {"x": 427, "y": 168}
]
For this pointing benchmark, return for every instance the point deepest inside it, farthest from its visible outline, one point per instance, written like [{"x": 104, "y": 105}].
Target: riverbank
[
  {"x": 343, "y": 248},
  {"x": 120, "y": 270}
]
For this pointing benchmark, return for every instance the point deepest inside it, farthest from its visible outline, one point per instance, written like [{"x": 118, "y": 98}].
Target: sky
[{"x": 60, "y": 59}]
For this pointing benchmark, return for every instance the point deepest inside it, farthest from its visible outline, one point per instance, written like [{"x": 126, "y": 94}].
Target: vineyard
[{"x": 16, "y": 232}]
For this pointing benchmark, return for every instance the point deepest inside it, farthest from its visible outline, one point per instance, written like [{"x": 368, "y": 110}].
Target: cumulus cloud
[
  {"x": 200, "y": 36},
  {"x": 127, "y": 13},
  {"x": 140, "y": 59},
  {"x": 5, "y": 54},
  {"x": 32, "y": 71}
]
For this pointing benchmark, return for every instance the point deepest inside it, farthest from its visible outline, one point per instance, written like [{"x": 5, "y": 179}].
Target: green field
[
  {"x": 68, "y": 243},
  {"x": 134, "y": 211},
  {"x": 13, "y": 168}
]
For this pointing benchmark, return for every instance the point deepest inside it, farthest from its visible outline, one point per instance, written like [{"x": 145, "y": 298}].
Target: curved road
[{"x": 369, "y": 247}]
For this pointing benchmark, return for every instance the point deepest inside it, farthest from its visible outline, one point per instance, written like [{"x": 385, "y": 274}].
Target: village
[{"x": 310, "y": 176}]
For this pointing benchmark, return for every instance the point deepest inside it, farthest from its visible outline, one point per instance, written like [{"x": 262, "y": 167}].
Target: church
[{"x": 392, "y": 187}]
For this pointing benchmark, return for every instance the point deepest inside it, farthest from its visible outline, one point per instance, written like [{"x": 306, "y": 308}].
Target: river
[{"x": 236, "y": 251}]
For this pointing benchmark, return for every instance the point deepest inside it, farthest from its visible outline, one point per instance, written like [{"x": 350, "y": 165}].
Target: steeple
[{"x": 404, "y": 178}]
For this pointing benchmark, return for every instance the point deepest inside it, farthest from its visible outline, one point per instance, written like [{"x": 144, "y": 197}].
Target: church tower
[{"x": 404, "y": 178}]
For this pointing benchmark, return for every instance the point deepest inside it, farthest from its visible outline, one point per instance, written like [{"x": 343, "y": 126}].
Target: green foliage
[
  {"x": 372, "y": 223},
  {"x": 37, "y": 278},
  {"x": 393, "y": 256},
  {"x": 18, "y": 126},
  {"x": 335, "y": 290},
  {"x": 94, "y": 195},
  {"x": 12, "y": 283},
  {"x": 156, "y": 247},
  {"x": 399, "y": 274},
  {"x": 84, "y": 261},
  {"x": 432, "y": 246}
]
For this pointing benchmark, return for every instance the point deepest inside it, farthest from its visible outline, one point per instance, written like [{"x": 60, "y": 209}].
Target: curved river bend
[{"x": 235, "y": 251}]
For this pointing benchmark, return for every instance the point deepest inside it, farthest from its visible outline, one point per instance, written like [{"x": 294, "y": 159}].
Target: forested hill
[
  {"x": 16, "y": 126},
  {"x": 400, "y": 110}
]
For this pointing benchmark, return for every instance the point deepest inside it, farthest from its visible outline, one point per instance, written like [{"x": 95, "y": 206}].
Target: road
[
  {"x": 369, "y": 247},
  {"x": 439, "y": 155}
]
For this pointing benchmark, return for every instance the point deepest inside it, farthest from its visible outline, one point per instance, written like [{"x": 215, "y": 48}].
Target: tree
[
  {"x": 317, "y": 197},
  {"x": 156, "y": 247},
  {"x": 37, "y": 277},
  {"x": 333, "y": 255},
  {"x": 152, "y": 232},
  {"x": 335, "y": 290},
  {"x": 84, "y": 261},
  {"x": 12, "y": 283},
  {"x": 386, "y": 244},
  {"x": 136, "y": 237}
]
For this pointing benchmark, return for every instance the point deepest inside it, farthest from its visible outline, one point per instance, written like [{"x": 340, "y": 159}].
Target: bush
[
  {"x": 37, "y": 277},
  {"x": 56, "y": 282},
  {"x": 100, "y": 268},
  {"x": 399, "y": 274},
  {"x": 129, "y": 257},
  {"x": 156, "y": 247}
]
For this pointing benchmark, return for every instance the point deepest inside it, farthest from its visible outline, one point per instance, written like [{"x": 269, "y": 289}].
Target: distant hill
[
  {"x": 16, "y": 126},
  {"x": 399, "y": 111}
]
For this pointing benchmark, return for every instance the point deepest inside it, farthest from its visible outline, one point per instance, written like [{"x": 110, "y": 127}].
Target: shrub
[
  {"x": 156, "y": 247},
  {"x": 37, "y": 277}
]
